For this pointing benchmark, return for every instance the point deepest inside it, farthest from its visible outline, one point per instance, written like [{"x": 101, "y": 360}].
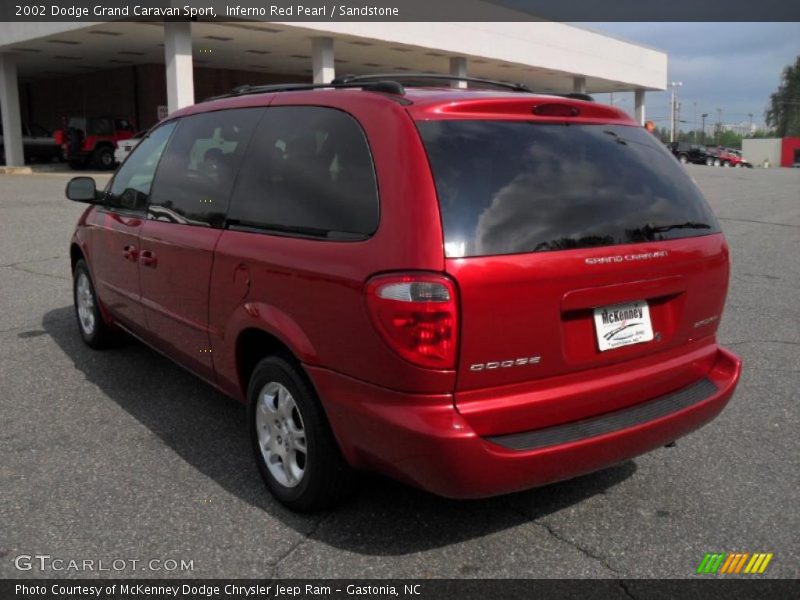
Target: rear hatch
[{"x": 579, "y": 249}]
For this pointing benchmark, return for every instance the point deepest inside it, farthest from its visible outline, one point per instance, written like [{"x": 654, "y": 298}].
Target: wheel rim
[
  {"x": 281, "y": 434},
  {"x": 85, "y": 301}
]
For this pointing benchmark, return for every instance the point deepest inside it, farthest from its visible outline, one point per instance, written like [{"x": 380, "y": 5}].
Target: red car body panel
[{"x": 197, "y": 290}]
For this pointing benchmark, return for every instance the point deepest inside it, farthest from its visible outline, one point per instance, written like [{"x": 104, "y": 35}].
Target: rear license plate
[{"x": 622, "y": 325}]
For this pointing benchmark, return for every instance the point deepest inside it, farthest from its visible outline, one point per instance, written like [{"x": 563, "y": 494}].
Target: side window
[
  {"x": 131, "y": 185},
  {"x": 308, "y": 171},
  {"x": 38, "y": 131},
  {"x": 197, "y": 171}
]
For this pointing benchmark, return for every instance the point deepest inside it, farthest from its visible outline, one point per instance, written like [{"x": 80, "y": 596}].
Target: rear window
[{"x": 513, "y": 187}]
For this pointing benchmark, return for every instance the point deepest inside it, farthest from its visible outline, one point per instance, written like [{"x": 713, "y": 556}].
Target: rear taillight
[{"x": 417, "y": 315}]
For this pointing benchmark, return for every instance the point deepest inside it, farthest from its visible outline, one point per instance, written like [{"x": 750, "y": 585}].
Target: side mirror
[{"x": 82, "y": 189}]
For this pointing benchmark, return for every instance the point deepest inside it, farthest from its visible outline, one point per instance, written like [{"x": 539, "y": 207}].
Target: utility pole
[
  {"x": 719, "y": 125},
  {"x": 694, "y": 123},
  {"x": 703, "y": 116},
  {"x": 673, "y": 85}
]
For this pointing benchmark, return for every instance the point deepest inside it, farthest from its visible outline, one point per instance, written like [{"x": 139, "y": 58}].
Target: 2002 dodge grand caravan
[{"x": 472, "y": 291}]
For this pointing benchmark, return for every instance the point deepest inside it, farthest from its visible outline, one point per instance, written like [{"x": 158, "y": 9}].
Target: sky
[{"x": 732, "y": 66}]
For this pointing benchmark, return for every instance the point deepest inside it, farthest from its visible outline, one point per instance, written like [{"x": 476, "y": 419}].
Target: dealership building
[{"x": 144, "y": 70}]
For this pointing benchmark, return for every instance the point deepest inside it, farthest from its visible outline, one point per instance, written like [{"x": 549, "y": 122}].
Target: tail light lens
[{"x": 417, "y": 315}]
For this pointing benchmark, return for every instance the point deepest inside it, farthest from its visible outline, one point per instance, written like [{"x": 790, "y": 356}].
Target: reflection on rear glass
[{"x": 511, "y": 187}]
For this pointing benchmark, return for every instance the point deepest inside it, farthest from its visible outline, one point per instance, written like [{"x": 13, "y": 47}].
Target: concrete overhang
[{"x": 545, "y": 55}]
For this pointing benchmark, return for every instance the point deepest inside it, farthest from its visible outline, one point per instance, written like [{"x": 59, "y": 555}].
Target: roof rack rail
[
  {"x": 386, "y": 87},
  {"x": 515, "y": 86}
]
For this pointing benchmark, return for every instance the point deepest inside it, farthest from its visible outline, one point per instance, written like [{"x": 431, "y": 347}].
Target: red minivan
[{"x": 473, "y": 291}]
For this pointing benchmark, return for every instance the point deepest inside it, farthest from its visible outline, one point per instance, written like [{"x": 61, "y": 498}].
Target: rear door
[
  {"x": 186, "y": 214},
  {"x": 116, "y": 228},
  {"x": 559, "y": 234}
]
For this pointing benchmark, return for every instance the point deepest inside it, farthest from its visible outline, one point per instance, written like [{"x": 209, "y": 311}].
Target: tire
[
  {"x": 103, "y": 158},
  {"x": 709, "y": 162},
  {"x": 297, "y": 455},
  {"x": 726, "y": 163},
  {"x": 717, "y": 162},
  {"x": 683, "y": 159},
  {"x": 93, "y": 328}
]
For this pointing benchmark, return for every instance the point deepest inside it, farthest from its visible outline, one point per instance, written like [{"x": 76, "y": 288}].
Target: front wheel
[
  {"x": 103, "y": 158},
  {"x": 717, "y": 162},
  {"x": 94, "y": 330},
  {"x": 294, "y": 446},
  {"x": 683, "y": 159},
  {"x": 709, "y": 162}
]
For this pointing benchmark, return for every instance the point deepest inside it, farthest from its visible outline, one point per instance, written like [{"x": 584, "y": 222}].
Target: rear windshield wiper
[{"x": 687, "y": 225}]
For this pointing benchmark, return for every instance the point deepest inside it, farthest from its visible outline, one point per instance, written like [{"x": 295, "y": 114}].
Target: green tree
[
  {"x": 783, "y": 112},
  {"x": 730, "y": 139}
]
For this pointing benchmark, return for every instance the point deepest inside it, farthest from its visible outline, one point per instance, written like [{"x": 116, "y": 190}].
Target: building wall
[
  {"x": 790, "y": 151},
  {"x": 757, "y": 151},
  {"x": 134, "y": 92}
]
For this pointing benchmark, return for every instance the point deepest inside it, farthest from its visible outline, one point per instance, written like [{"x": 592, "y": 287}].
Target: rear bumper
[{"x": 423, "y": 440}]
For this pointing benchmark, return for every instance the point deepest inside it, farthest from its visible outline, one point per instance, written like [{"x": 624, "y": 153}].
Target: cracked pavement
[{"x": 121, "y": 454}]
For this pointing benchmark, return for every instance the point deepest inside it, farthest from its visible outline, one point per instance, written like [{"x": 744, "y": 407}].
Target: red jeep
[{"x": 86, "y": 140}]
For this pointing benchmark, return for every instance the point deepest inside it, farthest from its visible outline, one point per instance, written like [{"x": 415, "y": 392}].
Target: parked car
[
  {"x": 92, "y": 140},
  {"x": 124, "y": 147},
  {"x": 37, "y": 144},
  {"x": 689, "y": 153},
  {"x": 739, "y": 160},
  {"x": 725, "y": 157},
  {"x": 446, "y": 286}
]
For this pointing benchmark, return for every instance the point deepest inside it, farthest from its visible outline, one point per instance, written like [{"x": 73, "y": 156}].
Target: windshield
[{"x": 512, "y": 187}]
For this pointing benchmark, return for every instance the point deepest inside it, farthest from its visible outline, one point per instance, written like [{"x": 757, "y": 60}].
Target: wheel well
[
  {"x": 75, "y": 254},
  {"x": 254, "y": 345}
]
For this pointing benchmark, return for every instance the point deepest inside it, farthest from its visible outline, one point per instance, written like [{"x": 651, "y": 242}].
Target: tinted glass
[
  {"x": 197, "y": 171},
  {"x": 131, "y": 185},
  {"x": 38, "y": 131},
  {"x": 511, "y": 187},
  {"x": 308, "y": 171},
  {"x": 101, "y": 126}
]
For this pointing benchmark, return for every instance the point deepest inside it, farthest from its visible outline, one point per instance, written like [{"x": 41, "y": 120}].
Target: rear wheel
[
  {"x": 717, "y": 162},
  {"x": 294, "y": 447},
  {"x": 94, "y": 330},
  {"x": 709, "y": 161},
  {"x": 683, "y": 159},
  {"x": 103, "y": 158}
]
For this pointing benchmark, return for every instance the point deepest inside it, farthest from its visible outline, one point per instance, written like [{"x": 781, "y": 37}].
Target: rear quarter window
[
  {"x": 513, "y": 187},
  {"x": 308, "y": 171}
]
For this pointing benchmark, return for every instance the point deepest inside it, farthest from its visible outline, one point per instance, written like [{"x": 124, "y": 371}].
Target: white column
[
  {"x": 638, "y": 101},
  {"x": 458, "y": 68},
  {"x": 9, "y": 106},
  {"x": 178, "y": 60},
  {"x": 579, "y": 85},
  {"x": 322, "y": 56}
]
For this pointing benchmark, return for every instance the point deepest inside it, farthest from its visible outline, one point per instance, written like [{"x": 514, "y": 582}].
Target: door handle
[
  {"x": 130, "y": 253},
  {"x": 148, "y": 259}
]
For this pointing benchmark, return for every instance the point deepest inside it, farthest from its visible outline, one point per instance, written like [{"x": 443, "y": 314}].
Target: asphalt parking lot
[{"x": 122, "y": 455}]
